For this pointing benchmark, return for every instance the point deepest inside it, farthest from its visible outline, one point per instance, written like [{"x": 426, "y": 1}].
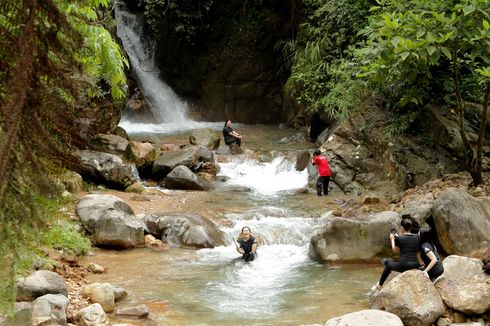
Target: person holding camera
[{"x": 407, "y": 244}]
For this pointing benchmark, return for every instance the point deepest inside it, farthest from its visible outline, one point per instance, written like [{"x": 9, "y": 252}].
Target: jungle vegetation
[{"x": 58, "y": 55}]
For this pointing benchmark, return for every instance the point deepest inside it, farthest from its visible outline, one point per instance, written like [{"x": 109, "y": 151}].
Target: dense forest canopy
[{"x": 59, "y": 55}]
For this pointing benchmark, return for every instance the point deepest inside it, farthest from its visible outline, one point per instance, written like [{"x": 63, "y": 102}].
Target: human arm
[
  {"x": 235, "y": 134},
  {"x": 254, "y": 248},
  {"x": 394, "y": 247},
  {"x": 433, "y": 261}
]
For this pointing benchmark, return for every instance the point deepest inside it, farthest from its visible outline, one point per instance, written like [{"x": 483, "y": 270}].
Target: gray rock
[
  {"x": 182, "y": 177},
  {"x": 464, "y": 287},
  {"x": 119, "y": 293},
  {"x": 369, "y": 317},
  {"x": 106, "y": 168},
  {"x": 50, "y": 309},
  {"x": 40, "y": 283},
  {"x": 22, "y": 315},
  {"x": 109, "y": 143},
  {"x": 462, "y": 222},
  {"x": 205, "y": 137},
  {"x": 92, "y": 315},
  {"x": 140, "y": 311},
  {"x": 168, "y": 161},
  {"x": 110, "y": 221},
  {"x": 185, "y": 229},
  {"x": 412, "y": 297},
  {"x": 72, "y": 181},
  {"x": 354, "y": 240}
]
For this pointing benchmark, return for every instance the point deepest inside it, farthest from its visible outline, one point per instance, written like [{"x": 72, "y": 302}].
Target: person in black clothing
[
  {"x": 247, "y": 245},
  {"x": 231, "y": 136},
  {"x": 430, "y": 259},
  {"x": 408, "y": 245}
]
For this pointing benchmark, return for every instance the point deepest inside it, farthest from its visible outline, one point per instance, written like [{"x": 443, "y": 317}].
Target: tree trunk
[{"x": 476, "y": 171}]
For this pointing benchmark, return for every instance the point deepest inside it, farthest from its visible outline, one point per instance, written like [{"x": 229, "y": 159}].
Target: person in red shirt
[{"x": 323, "y": 172}]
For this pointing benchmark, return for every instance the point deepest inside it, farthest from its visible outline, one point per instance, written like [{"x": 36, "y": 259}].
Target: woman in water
[
  {"x": 247, "y": 245},
  {"x": 407, "y": 244},
  {"x": 231, "y": 136}
]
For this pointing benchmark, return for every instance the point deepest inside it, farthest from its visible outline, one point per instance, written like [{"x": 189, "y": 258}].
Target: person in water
[
  {"x": 247, "y": 245},
  {"x": 430, "y": 262},
  {"x": 407, "y": 244},
  {"x": 231, "y": 136},
  {"x": 323, "y": 172}
]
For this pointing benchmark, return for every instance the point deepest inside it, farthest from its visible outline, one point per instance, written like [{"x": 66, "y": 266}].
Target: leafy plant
[
  {"x": 406, "y": 39},
  {"x": 67, "y": 237}
]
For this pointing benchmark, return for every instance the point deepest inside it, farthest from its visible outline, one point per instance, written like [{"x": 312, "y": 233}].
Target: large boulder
[
  {"x": 105, "y": 168},
  {"x": 182, "y": 177},
  {"x": 185, "y": 229},
  {"x": 168, "y": 161},
  {"x": 40, "y": 283},
  {"x": 462, "y": 222},
  {"x": 109, "y": 143},
  {"x": 110, "y": 221},
  {"x": 205, "y": 137},
  {"x": 464, "y": 287},
  {"x": 369, "y": 317},
  {"x": 412, "y": 297},
  {"x": 353, "y": 240},
  {"x": 50, "y": 309},
  {"x": 92, "y": 315}
]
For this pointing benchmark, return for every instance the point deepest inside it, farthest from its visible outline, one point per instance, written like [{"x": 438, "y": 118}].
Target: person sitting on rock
[
  {"x": 407, "y": 244},
  {"x": 247, "y": 245},
  {"x": 430, "y": 260},
  {"x": 231, "y": 136}
]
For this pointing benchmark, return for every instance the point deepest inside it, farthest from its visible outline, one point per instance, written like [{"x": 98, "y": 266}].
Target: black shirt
[
  {"x": 409, "y": 245},
  {"x": 247, "y": 245},
  {"x": 226, "y": 134},
  {"x": 426, "y": 248}
]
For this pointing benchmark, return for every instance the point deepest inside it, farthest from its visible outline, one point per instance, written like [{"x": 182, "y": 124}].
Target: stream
[{"x": 185, "y": 286}]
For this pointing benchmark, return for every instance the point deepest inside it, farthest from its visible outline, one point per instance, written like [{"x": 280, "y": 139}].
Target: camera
[{"x": 393, "y": 231}]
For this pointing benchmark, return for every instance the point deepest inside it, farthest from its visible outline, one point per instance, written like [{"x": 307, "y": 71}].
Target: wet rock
[
  {"x": 464, "y": 287},
  {"x": 95, "y": 268},
  {"x": 92, "y": 315},
  {"x": 50, "y": 309},
  {"x": 185, "y": 229},
  {"x": 142, "y": 154},
  {"x": 370, "y": 200},
  {"x": 119, "y": 293},
  {"x": 205, "y": 137},
  {"x": 136, "y": 187},
  {"x": 188, "y": 157},
  {"x": 101, "y": 293},
  {"x": 462, "y": 222},
  {"x": 302, "y": 160},
  {"x": 140, "y": 311},
  {"x": 110, "y": 221},
  {"x": 183, "y": 178},
  {"x": 366, "y": 318},
  {"x": 40, "y": 283},
  {"x": 354, "y": 240},
  {"x": 412, "y": 297}
]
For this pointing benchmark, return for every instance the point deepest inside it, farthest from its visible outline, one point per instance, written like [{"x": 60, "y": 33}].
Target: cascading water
[{"x": 170, "y": 111}]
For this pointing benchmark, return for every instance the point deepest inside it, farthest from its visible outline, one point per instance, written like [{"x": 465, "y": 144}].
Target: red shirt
[{"x": 323, "y": 167}]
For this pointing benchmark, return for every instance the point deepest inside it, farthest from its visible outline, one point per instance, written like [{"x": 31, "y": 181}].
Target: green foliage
[
  {"x": 188, "y": 18},
  {"x": 67, "y": 237},
  {"x": 100, "y": 56},
  {"x": 321, "y": 75}
]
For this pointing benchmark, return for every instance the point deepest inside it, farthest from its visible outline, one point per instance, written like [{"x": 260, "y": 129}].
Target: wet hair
[
  {"x": 246, "y": 227},
  {"x": 317, "y": 152},
  {"x": 406, "y": 224}
]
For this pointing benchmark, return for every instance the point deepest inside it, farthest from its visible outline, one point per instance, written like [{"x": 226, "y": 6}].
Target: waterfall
[{"x": 169, "y": 108}]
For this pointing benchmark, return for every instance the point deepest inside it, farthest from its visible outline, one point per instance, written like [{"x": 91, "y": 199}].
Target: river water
[
  {"x": 282, "y": 286},
  {"x": 184, "y": 286}
]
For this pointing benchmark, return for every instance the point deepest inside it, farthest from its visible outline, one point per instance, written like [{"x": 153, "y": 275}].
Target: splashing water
[{"x": 264, "y": 178}]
